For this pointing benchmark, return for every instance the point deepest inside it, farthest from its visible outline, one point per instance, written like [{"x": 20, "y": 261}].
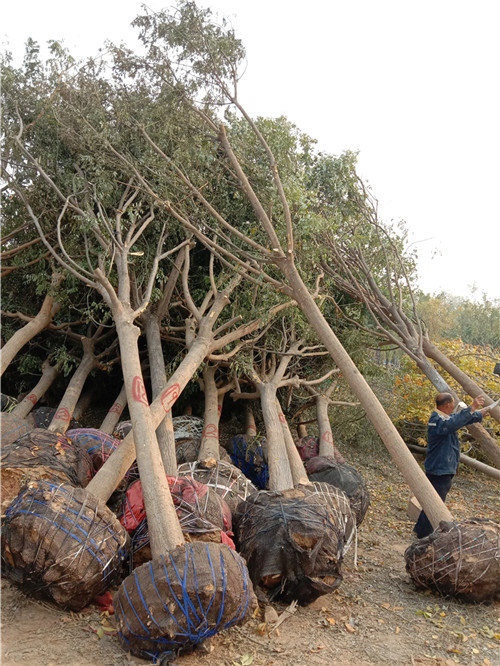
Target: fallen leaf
[
  {"x": 349, "y": 628},
  {"x": 397, "y": 630},
  {"x": 386, "y": 605},
  {"x": 331, "y": 620}
]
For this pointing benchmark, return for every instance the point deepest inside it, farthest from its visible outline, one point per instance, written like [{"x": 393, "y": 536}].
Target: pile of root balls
[{"x": 243, "y": 541}]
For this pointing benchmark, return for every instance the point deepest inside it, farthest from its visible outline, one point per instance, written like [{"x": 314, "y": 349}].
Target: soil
[{"x": 375, "y": 617}]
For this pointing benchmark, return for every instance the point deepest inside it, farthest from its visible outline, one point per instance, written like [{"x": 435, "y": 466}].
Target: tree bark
[
  {"x": 165, "y": 431},
  {"x": 21, "y": 337},
  {"x": 433, "y": 506},
  {"x": 468, "y": 385},
  {"x": 299, "y": 474},
  {"x": 280, "y": 475},
  {"x": 110, "y": 474},
  {"x": 49, "y": 374},
  {"x": 164, "y": 527},
  {"x": 209, "y": 447},
  {"x": 62, "y": 417},
  {"x": 326, "y": 445},
  {"x": 115, "y": 412}
]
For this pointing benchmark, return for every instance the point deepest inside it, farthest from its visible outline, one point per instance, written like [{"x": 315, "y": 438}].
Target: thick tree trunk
[
  {"x": 280, "y": 475},
  {"x": 209, "y": 447},
  {"x": 110, "y": 474},
  {"x": 326, "y": 445},
  {"x": 165, "y": 431},
  {"x": 299, "y": 474},
  {"x": 429, "y": 499},
  {"x": 488, "y": 445},
  {"x": 115, "y": 412},
  {"x": 468, "y": 385},
  {"x": 60, "y": 422},
  {"x": 26, "y": 333},
  {"x": 49, "y": 374},
  {"x": 164, "y": 527}
]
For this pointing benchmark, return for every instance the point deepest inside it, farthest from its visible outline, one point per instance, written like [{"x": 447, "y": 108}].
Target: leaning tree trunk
[
  {"x": 114, "y": 469},
  {"x": 466, "y": 460},
  {"x": 49, "y": 374},
  {"x": 490, "y": 449},
  {"x": 250, "y": 427},
  {"x": 83, "y": 403},
  {"x": 62, "y": 418},
  {"x": 165, "y": 431},
  {"x": 114, "y": 413},
  {"x": 432, "y": 504},
  {"x": 468, "y": 385},
  {"x": 21, "y": 337}
]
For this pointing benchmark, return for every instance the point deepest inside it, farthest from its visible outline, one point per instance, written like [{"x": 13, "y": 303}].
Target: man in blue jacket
[{"x": 443, "y": 448}]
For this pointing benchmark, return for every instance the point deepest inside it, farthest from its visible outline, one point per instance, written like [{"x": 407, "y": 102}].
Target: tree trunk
[
  {"x": 165, "y": 431},
  {"x": 110, "y": 474},
  {"x": 301, "y": 430},
  {"x": 280, "y": 475},
  {"x": 299, "y": 474},
  {"x": 433, "y": 506},
  {"x": 468, "y": 385},
  {"x": 26, "y": 333},
  {"x": 60, "y": 422},
  {"x": 164, "y": 527},
  {"x": 209, "y": 447},
  {"x": 250, "y": 427},
  {"x": 114, "y": 413},
  {"x": 326, "y": 445},
  {"x": 488, "y": 445},
  {"x": 49, "y": 373}
]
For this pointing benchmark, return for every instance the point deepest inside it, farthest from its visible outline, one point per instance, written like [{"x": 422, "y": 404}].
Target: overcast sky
[{"x": 412, "y": 85}]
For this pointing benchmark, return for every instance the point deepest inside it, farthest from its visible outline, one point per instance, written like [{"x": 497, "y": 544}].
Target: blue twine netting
[
  {"x": 99, "y": 446},
  {"x": 192, "y": 625},
  {"x": 249, "y": 457},
  {"x": 71, "y": 521}
]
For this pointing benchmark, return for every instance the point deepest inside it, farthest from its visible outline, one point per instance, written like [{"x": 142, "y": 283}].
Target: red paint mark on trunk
[
  {"x": 33, "y": 398},
  {"x": 139, "y": 391},
  {"x": 169, "y": 396},
  {"x": 116, "y": 409},
  {"x": 328, "y": 437},
  {"x": 210, "y": 430},
  {"x": 282, "y": 417},
  {"x": 62, "y": 414}
]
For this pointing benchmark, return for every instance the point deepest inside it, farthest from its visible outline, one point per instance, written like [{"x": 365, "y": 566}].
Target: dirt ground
[{"x": 375, "y": 617}]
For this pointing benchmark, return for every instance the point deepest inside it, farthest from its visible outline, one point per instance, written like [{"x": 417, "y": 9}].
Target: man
[{"x": 443, "y": 448}]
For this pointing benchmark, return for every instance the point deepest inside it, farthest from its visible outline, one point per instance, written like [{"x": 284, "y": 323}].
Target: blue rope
[{"x": 196, "y": 628}]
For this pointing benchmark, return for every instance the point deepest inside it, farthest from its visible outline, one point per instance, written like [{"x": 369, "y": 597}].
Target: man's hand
[{"x": 477, "y": 403}]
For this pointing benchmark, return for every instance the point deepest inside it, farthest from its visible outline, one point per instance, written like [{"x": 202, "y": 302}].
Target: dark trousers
[{"x": 442, "y": 485}]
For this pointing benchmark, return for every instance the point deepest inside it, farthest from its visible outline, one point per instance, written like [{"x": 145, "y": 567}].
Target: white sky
[{"x": 413, "y": 85}]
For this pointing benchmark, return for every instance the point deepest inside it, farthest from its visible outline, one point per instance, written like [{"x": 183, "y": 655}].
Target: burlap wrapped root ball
[
  {"x": 62, "y": 543},
  {"x": 341, "y": 475},
  {"x": 459, "y": 559},
  {"x": 175, "y": 602},
  {"x": 226, "y": 479},
  {"x": 40, "y": 454},
  {"x": 293, "y": 545},
  {"x": 202, "y": 513}
]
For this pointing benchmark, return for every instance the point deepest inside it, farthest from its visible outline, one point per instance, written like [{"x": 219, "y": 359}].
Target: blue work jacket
[{"x": 443, "y": 447}]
